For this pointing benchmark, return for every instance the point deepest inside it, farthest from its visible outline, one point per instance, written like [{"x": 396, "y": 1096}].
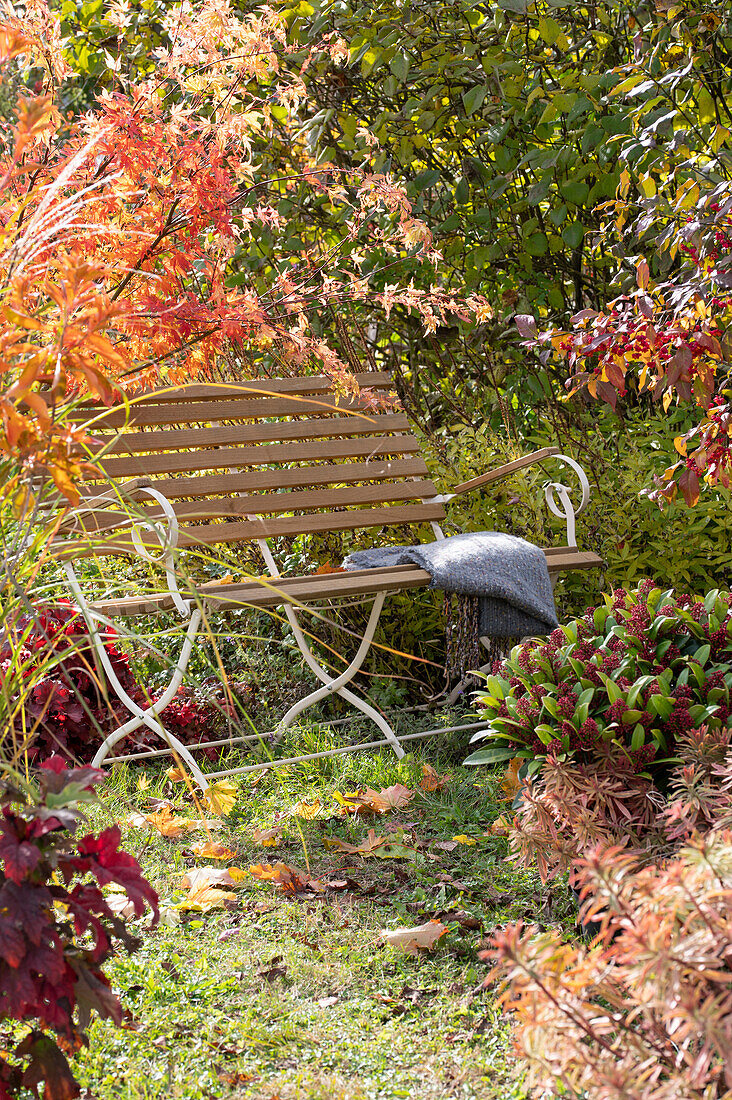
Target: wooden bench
[{"x": 225, "y": 464}]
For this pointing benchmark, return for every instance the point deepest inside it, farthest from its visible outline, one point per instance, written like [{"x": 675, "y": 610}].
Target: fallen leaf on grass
[
  {"x": 445, "y": 845},
  {"x": 219, "y": 798},
  {"x": 175, "y": 774},
  {"x": 412, "y": 940},
  {"x": 268, "y": 838},
  {"x": 500, "y": 827},
  {"x": 211, "y": 876},
  {"x": 381, "y": 847},
  {"x": 164, "y": 822},
  {"x": 291, "y": 880},
  {"x": 369, "y": 801},
  {"x": 205, "y": 898},
  {"x": 306, "y": 810},
  {"x": 272, "y": 970},
  {"x": 511, "y": 784},
  {"x": 463, "y": 839},
  {"x": 212, "y": 849},
  {"x": 431, "y": 781}
]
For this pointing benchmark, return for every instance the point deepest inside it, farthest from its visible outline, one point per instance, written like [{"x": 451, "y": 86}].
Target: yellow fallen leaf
[
  {"x": 206, "y": 898},
  {"x": 175, "y": 774},
  {"x": 212, "y": 849},
  {"x": 412, "y": 940},
  {"x": 306, "y": 810},
  {"x": 463, "y": 839},
  {"x": 164, "y": 822},
  {"x": 219, "y": 798}
]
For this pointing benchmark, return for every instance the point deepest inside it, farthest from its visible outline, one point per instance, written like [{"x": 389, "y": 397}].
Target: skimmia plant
[{"x": 627, "y": 677}]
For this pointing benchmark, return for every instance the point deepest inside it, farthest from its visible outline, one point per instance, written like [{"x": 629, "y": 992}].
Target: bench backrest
[{"x": 270, "y": 457}]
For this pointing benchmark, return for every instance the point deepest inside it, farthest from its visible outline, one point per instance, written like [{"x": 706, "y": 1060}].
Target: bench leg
[
  {"x": 336, "y": 685},
  {"x": 148, "y": 717}
]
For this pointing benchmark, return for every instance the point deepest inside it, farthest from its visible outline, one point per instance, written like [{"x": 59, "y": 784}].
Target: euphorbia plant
[
  {"x": 630, "y": 675},
  {"x": 57, "y": 929}
]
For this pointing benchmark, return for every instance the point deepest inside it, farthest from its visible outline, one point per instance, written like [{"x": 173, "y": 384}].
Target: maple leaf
[
  {"x": 328, "y": 567},
  {"x": 48, "y": 1064},
  {"x": 198, "y": 877},
  {"x": 268, "y": 838},
  {"x": 219, "y": 798},
  {"x": 413, "y": 940},
  {"x": 212, "y": 849},
  {"x": 370, "y": 801},
  {"x": 205, "y": 898},
  {"x": 163, "y": 821},
  {"x": 381, "y": 847},
  {"x": 291, "y": 880},
  {"x": 306, "y": 810},
  {"x": 431, "y": 781}
]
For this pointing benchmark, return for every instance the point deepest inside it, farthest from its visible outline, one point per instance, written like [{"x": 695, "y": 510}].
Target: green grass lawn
[{"x": 276, "y": 997}]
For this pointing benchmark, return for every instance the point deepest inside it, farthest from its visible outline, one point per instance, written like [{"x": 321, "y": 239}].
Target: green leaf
[
  {"x": 473, "y": 98},
  {"x": 492, "y": 755},
  {"x": 399, "y": 66}
]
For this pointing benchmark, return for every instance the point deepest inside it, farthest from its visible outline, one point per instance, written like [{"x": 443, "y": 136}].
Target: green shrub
[{"x": 632, "y": 674}]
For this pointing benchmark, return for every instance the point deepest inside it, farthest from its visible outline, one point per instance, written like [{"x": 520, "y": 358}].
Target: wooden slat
[
  {"x": 246, "y": 530},
  {"x": 272, "y": 503},
  {"x": 171, "y": 439},
  {"x": 274, "y": 453},
  {"x": 573, "y": 559},
  {"x": 277, "y": 590},
  {"x": 302, "y": 384},
  {"x": 506, "y": 469},
  {"x": 177, "y": 488},
  {"x": 202, "y": 412}
]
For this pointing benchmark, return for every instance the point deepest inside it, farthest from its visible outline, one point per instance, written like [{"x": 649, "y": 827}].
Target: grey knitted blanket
[{"x": 507, "y": 574}]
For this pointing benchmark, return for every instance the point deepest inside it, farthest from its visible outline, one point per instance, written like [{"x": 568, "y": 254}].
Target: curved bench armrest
[
  {"x": 558, "y": 496},
  {"x": 505, "y": 470}
]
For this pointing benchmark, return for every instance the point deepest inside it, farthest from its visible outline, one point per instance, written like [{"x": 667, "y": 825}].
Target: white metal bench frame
[{"x": 559, "y": 501}]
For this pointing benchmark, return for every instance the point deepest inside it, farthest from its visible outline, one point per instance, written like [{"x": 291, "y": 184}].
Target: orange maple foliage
[{"x": 122, "y": 231}]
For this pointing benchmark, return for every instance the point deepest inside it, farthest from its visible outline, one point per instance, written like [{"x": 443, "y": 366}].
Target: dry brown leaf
[
  {"x": 445, "y": 845},
  {"x": 175, "y": 774},
  {"x": 219, "y": 798},
  {"x": 500, "y": 827},
  {"x": 412, "y": 940},
  {"x": 381, "y": 847},
  {"x": 306, "y": 810},
  {"x": 268, "y": 838},
  {"x": 374, "y": 802},
  {"x": 328, "y": 567},
  {"x": 511, "y": 783},
  {"x": 212, "y": 849},
  {"x": 431, "y": 781},
  {"x": 291, "y": 880},
  {"x": 164, "y": 822}
]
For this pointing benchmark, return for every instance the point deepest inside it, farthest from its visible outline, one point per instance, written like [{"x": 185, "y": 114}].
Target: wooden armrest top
[{"x": 505, "y": 470}]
